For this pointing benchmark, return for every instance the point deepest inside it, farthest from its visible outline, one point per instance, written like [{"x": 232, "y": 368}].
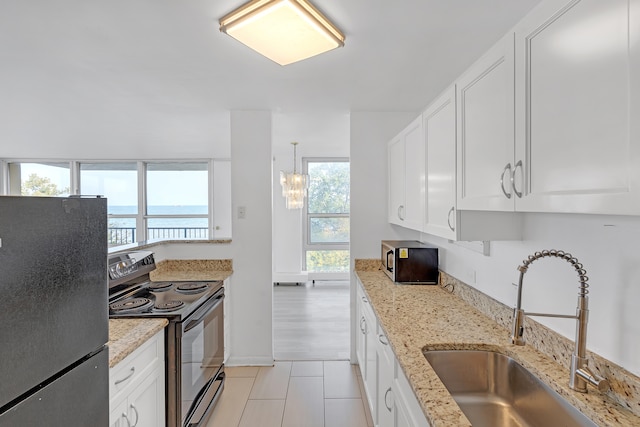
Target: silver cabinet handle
[
  {"x": 137, "y": 415},
  {"x": 506, "y": 168},
  {"x": 453, "y": 208},
  {"x": 363, "y": 325},
  {"x": 131, "y": 372},
  {"x": 389, "y": 408},
  {"x": 401, "y": 215},
  {"x": 126, "y": 419},
  {"x": 383, "y": 340},
  {"x": 513, "y": 180}
]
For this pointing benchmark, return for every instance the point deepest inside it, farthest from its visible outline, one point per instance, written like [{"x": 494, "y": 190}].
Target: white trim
[{"x": 250, "y": 361}]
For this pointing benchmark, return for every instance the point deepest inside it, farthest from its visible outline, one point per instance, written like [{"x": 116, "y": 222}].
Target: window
[
  {"x": 145, "y": 200},
  {"x": 327, "y": 215},
  {"x": 118, "y": 182},
  {"x": 177, "y": 200},
  {"x": 40, "y": 179}
]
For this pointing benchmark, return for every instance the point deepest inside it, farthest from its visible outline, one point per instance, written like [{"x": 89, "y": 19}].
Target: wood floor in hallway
[{"x": 311, "y": 322}]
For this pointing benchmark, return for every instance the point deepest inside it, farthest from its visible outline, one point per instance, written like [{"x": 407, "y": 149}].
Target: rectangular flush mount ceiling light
[{"x": 284, "y": 31}]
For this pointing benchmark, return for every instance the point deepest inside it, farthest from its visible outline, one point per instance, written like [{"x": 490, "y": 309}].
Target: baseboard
[
  {"x": 329, "y": 276},
  {"x": 290, "y": 277},
  {"x": 249, "y": 361}
]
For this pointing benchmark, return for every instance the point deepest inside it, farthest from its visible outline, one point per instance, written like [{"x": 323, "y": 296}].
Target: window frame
[
  {"x": 307, "y": 245},
  {"x": 141, "y": 216}
]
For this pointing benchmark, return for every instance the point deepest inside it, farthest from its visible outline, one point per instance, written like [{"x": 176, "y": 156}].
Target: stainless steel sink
[{"x": 493, "y": 390}]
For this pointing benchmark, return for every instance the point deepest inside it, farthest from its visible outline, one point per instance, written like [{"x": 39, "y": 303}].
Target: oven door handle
[
  {"x": 202, "y": 312},
  {"x": 197, "y": 412}
]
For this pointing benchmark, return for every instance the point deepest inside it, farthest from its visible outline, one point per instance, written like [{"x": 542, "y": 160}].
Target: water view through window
[{"x": 174, "y": 203}]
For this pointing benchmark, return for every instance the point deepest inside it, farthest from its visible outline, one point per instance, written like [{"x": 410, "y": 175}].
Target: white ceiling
[{"x": 156, "y": 71}]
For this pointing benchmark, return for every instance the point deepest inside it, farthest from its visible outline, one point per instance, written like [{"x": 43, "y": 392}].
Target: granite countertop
[
  {"x": 416, "y": 318},
  {"x": 125, "y": 335},
  {"x": 192, "y": 270}
]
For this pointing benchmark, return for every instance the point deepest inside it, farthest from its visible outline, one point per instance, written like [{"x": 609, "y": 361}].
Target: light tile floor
[{"x": 293, "y": 394}]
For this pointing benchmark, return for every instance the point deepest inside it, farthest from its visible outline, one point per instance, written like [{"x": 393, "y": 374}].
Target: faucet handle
[{"x": 597, "y": 381}]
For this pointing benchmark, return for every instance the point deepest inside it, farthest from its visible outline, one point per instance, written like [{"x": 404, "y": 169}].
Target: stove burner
[
  {"x": 192, "y": 288},
  {"x": 131, "y": 305},
  {"x": 160, "y": 286},
  {"x": 168, "y": 306}
]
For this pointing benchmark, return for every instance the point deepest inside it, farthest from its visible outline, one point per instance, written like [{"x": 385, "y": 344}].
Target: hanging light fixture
[
  {"x": 294, "y": 185},
  {"x": 284, "y": 31}
]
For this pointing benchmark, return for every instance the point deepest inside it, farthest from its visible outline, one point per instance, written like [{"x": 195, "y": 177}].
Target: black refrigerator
[{"x": 53, "y": 314}]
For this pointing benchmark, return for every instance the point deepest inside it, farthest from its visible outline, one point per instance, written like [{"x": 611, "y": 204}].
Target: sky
[{"x": 164, "y": 188}]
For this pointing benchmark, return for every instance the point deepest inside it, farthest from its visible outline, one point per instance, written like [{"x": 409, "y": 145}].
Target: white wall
[
  {"x": 251, "y": 304},
  {"x": 370, "y": 132},
  {"x": 319, "y": 135},
  {"x": 94, "y": 137},
  {"x": 607, "y": 246}
]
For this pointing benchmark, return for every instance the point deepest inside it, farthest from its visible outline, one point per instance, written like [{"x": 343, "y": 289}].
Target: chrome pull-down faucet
[{"x": 581, "y": 375}]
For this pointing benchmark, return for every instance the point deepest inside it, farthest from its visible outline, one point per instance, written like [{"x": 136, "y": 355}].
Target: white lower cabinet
[
  {"x": 136, "y": 387},
  {"x": 388, "y": 392},
  {"x": 370, "y": 374},
  {"x": 408, "y": 412}
]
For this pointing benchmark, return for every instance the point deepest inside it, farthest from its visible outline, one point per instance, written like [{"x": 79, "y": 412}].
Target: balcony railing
[{"x": 126, "y": 235}]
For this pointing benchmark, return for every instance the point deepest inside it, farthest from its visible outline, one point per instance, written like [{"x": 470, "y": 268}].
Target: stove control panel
[{"x": 130, "y": 265}]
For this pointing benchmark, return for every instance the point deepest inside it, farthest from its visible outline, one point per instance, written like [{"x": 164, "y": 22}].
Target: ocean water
[{"x": 160, "y": 222}]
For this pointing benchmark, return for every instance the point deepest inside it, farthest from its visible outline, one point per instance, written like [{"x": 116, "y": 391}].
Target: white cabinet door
[
  {"x": 361, "y": 332},
  {"x": 118, "y": 416},
  {"x": 414, "y": 175},
  {"x": 395, "y": 155},
  {"x": 485, "y": 138},
  {"x": 574, "y": 89},
  {"x": 370, "y": 378},
  {"x": 406, "y": 177},
  {"x": 385, "y": 395},
  {"x": 439, "y": 125},
  {"x": 408, "y": 410},
  {"x": 146, "y": 403}
]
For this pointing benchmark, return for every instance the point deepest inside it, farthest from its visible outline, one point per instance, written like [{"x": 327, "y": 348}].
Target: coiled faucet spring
[{"x": 582, "y": 273}]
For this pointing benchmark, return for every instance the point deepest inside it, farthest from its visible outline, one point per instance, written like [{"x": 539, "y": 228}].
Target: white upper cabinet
[
  {"x": 439, "y": 125},
  {"x": 485, "y": 139},
  {"x": 442, "y": 218},
  {"x": 406, "y": 177},
  {"x": 576, "y": 136},
  {"x": 395, "y": 157}
]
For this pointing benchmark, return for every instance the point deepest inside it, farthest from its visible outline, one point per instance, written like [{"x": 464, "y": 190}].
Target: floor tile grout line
[{"x": 246, "y": 402}]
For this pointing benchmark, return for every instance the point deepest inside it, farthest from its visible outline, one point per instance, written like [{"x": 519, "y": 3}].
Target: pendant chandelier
[{"x": 294, "y": 185}]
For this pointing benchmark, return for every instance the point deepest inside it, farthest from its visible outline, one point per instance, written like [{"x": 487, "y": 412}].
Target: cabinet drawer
[{"x": 127, "y": 372}]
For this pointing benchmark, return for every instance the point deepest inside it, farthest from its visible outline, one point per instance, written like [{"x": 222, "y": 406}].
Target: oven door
[{"x": 201, "y": 367}]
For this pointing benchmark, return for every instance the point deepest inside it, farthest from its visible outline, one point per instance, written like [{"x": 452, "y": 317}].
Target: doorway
[{"x": 311, "y": 318}]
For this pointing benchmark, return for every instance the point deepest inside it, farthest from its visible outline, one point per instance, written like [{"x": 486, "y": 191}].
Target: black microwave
[{"x": 409, "y": 261}]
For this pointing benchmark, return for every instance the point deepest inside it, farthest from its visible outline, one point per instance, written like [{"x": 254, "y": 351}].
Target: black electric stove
[{"x": 194, "y": 337}]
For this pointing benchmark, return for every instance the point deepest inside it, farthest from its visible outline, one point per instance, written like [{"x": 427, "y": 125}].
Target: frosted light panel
[{"x": 283, "y": 32}]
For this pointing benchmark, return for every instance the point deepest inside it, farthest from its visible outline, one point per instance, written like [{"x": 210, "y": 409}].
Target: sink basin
[{"x": 493, "y": 390}]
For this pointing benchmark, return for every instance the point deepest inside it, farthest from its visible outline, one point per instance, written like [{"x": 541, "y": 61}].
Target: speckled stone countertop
[
  {"x": 157, "y": 242},
  {"x": 125, "y": 335},
  {"x": 192, "y": 270},
  {"x": 417, "y": 318}
]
